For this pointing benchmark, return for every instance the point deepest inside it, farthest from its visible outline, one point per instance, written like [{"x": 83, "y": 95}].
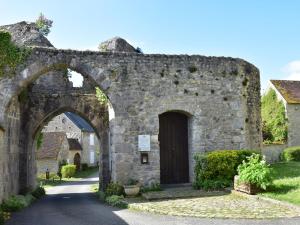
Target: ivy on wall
[
  {"x": 102, "y": 98},
  {"x": 39, "y": 140},
  {"x": 10, "y": 55},
  {"x": 273, "y": 118}
]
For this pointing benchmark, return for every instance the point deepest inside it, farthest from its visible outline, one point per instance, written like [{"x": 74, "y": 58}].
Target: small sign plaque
[{"x": 144, "y": 143}]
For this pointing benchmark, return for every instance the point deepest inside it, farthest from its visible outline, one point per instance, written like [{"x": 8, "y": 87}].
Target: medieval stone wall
[
  {"x": 220, "y": 95},
  {"x": 9, "y": 152}
]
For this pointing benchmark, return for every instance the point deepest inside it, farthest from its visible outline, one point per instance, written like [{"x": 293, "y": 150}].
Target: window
[
  {"x": 92, "y": 157},
  {"x": 92, "y": 139}
]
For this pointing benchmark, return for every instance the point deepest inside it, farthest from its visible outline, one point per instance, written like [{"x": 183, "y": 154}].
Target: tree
[
  {"x": 273, "y": 118},
  {"x": 43, "y": 24}
]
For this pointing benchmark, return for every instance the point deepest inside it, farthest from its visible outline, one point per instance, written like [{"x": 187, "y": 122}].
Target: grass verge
[{"x": 286, "y": 184}]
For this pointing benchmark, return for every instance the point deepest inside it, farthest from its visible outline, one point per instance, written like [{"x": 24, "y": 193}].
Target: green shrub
[
  {"x": 1, "y": 218},
  {"x": 152, "y": 187},
  {"x": 208, "y": 185},
  {"x": 114, "y": 189},
  {"x": 43, "y": 24},
  {"x": 101, "y": 195},
  {"x": 117, "y": 201},
  {"x": 216, "y": 169},
  {"x": 29, "y": 199},
  {"x": 14, "y": 203},
  {"x": 274, "y": 119},
  {"x": 291, "y": 154},
  {"x": 68, "y": 171},
  {"x": 38, "y": 192},
  {"x": 255, "y": 171},
  {"x": 84, "y": 166}
]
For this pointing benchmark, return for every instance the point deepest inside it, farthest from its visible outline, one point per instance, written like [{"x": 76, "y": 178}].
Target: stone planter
[
  {"x": 248, "y": 188},
  {"x": 131, "y": 190}
]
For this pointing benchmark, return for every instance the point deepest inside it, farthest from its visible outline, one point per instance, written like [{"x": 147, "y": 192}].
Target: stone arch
[
  {"x": 43, "y": 61},
  {"x": 38, "y": 125},
  {"x": 42, "y": 107}
]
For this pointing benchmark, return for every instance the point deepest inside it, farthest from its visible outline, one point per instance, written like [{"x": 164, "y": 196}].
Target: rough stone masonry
[{"x": 220, "y": 95}]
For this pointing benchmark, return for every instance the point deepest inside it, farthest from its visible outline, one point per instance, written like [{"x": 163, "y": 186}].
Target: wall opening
[
  {"x": 75, "y": 78},
  {"x": 66, "y": 139}
]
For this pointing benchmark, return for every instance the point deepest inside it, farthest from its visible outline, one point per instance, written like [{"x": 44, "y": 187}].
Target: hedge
[
  {"x": 68, "y": 171},
  {"x": 291, "y": 154},
  {"x": 216, "y": 169}
]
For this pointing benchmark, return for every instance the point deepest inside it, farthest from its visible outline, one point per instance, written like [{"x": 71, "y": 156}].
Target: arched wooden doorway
[
  {"x": 173, "y": 138},
  {"x": 77, "y": 161}
]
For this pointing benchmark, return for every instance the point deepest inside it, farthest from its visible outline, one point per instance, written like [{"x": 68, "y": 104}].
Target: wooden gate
[{"x": 173, "y": 138}]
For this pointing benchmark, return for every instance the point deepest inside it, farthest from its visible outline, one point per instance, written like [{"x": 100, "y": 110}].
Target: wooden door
[
  {"x": 77, "y": 161},
  {"x": 173, "y": 138}
]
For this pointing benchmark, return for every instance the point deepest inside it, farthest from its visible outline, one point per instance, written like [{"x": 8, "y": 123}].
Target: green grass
[
  {"x": 83, "y": 174},
  {"x": 54, "y": 179},
  {"x": 286, "y": 185}
]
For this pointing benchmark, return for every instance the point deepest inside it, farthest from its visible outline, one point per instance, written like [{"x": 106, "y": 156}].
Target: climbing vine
[
  {"x": 39, "y": 140},
  {"x": 273, "y": 118},
  {"x": 10, "y": 55},
  {"x": 102, "y": 98}
]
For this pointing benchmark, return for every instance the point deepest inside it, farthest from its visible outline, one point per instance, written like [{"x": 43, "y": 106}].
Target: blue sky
[{"x": 263, "y": 32}]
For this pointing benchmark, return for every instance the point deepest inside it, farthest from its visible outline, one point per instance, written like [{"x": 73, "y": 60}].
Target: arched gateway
[{"x": 220, "y": 95}]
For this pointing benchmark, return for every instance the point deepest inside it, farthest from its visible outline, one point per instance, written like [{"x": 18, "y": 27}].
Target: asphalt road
[{"x": 74, "y": 204}]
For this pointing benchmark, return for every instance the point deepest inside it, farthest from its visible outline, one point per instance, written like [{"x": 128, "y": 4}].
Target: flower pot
[
  {"x": 131, "y": 190},
  {"x": 248, "y": 188}
]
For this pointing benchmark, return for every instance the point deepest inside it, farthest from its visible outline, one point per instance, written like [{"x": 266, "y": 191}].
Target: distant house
[
  {"x": 54, "y": 149},
  {"x": 289, "y": 92},
  {"x": 75, "y": 152},
  {"x": 77, "y": 128}
]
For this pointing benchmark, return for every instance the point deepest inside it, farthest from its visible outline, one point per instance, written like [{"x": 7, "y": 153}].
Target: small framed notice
[{"x": 144, "y": 143}]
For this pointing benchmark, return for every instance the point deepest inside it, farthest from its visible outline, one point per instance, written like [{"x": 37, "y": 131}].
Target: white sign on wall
[{"x": 144, "y": 143}]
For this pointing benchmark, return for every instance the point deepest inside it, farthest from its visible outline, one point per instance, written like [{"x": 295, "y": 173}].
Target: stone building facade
[
  {"x": 219, "y": 97},
  {"x": 289, "y": 93},
  {"x": 77, "y": 128},
  {"x": 54, "y": 149}
]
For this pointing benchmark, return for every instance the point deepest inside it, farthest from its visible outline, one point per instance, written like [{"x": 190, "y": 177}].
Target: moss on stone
[
  {"x": 10, "y": 55},
  {"x": 23, "y": 96}
]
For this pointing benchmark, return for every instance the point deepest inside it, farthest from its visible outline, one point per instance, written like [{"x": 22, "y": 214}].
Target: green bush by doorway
[{"x": 216, "y": 169}]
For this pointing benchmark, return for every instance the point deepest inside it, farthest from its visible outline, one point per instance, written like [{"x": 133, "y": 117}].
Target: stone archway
[{"x": 42, "y": 105}]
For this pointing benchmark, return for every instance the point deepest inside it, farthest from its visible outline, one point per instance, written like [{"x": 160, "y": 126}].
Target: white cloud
[{"x": 292, "y": 70}]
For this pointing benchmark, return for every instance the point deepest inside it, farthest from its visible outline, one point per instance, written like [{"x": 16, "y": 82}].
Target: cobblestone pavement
[{"x": 222, "y": 206}]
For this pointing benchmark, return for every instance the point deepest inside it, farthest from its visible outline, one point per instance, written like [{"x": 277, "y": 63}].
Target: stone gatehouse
[{"x": 163, "y": 109}]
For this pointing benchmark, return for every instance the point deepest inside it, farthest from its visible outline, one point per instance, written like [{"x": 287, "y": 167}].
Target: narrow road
[{"x": 74, "y": 204}]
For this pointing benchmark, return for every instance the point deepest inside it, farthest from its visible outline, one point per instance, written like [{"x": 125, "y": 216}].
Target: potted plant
[
  {"x": 132, "y": 188},
  {"x": 254, "y": 175}
]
